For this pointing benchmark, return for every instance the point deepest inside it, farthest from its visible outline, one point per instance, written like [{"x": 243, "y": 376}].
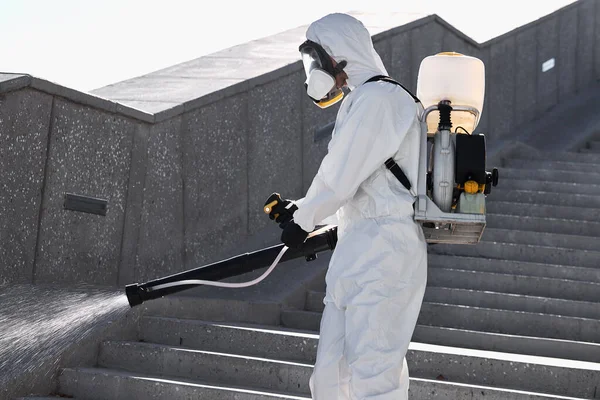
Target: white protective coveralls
[{"x": 378, "y": 271}]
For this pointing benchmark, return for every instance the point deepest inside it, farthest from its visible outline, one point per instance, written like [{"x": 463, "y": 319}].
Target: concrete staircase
[{"x": 515, "y": 317}]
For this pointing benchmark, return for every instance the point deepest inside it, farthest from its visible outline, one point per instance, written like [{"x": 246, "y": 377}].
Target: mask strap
[{"x": 339, "y": 68}]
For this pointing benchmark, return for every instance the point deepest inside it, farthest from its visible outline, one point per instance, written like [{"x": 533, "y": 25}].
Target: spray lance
[{"x": 320, "y": 240}]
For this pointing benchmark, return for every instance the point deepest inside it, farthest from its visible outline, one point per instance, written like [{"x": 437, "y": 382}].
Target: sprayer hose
[{"x": 224, "y": 284}]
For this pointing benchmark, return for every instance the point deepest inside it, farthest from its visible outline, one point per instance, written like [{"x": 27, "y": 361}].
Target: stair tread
[
  {"x": 490, "y": 293},
  {"x": 441, "y": 385},
  {"x": 524, "y": 297},
  {"x": 558, "y": 220},
  {"x": 590, "y": 353},
  {"x": 515, "y": 204},
  {"x": 582, "y": 242},
  {"x": 310, "y": 334},
  {"x": 545, "y": 192},
  {"x": 415, "y": 384},
  {"x": 591, "y": 349},
  {"x": 501, "y": 356},
  {"x": 502, "y": 261},
  {"x": 422, "y": 347},
  {"x": 315, "y": 313},
  {"x": 544, "y": 253},
  {"x": 584, "y": 161},
  {"x": 511, "y": 311},
  {"x": 280, "y": 330},
  {"x": 568, "y": 183},
  {"x": 502, "y": 243},
  {"x": 184, "y": 382},
  {"x": 585, "y": 226},
  {"x": 551, "y": 171},
  {"x": 567, "y": 298},
  {"x": 517, "y": 276},
  {"x": 158, "y": 346}
]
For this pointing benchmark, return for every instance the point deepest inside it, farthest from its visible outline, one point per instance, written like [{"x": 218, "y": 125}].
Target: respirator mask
[{"x": 320, "y": 74}]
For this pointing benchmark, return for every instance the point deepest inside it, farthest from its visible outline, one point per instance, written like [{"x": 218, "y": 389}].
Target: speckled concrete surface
[
  {"x": 24, "y": 127},
  {"x": 215, "y": 162},
  {"x": 159, "y": 244},
  {"x": 89, "y": 155}
]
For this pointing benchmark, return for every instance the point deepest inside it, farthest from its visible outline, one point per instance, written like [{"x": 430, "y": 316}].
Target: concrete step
[
  {"x": 568, "y": 241},
  {"x": 514, "y": 302},
  {"x": 546, "y": 198},
  {"x": 550, "y": 175},
  {"x": 523, "y": 252},
  {"x": 552, "y": 165},
  {"x": 574, "y": 156},
  {"x": 548, "y": 288},
  {"x": 158, "y": 388},
  {"x": 552, "y": 187},
  {"x": 510, "y": 322},
  {"x": 204, "y": 366},
  {"x": 591, "y": 151},
  {"x": 425, "y": 361},
  {"x": 105, "y": 384},
  {"x": 215, "y": 309},
  {"x": 266, "y": 342},
  {"x": 514, "y": 371},
  {"x": 565, "y": 156},
  {"x": 301, "y": 319},
  {"x": 510, "y": 267},
  {"x": 514, "y": 344},
  {"x": 429, "y": 389},
  {"x": 246, "y": 339},
  {"x": 480, "y": 319},
  {"x": 504, "y": 292},
  {"x": 591, "y": 215},
  {"x": 545, "y": 224}
]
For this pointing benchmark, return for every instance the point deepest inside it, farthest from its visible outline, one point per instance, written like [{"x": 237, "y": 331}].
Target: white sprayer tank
[{"x": 454, "y": 77}]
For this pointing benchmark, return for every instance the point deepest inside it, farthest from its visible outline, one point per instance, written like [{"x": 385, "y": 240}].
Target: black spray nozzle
[
  {"x": 138, "y": 293},
  {"x": 135, "y": 294}
]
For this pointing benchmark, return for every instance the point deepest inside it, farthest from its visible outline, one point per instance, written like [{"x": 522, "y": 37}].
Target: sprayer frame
[{"x": 439, "y": 226}]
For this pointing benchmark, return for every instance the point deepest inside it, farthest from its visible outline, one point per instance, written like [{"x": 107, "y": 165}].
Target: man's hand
[
  {"x": 280, "y": 210},
  {"x": 293, "y": 236}
]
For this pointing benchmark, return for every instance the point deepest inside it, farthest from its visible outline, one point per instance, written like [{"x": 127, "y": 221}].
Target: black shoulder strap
[
  {"x": 391, "y": 164},
  {"x": 398, "y": 173},
  {"x": 385, "y": 78}
]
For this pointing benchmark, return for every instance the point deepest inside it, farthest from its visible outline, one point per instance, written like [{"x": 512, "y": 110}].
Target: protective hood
[{"x": 346, "y": 38}]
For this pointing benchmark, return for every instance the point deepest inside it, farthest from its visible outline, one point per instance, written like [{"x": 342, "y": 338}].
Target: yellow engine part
[{"x": 471, "y": 187}]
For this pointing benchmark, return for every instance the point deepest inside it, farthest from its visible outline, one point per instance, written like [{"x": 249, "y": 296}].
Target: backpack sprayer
[
  {"x": 451, "y": 188},
  {"x": 452, "y": 180}
]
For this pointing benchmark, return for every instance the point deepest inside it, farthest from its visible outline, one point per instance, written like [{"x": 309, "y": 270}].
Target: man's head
[{"x": 341, "y": 46}]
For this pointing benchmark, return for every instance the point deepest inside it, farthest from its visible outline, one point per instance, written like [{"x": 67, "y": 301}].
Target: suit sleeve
[{"x": 370, "y": 134}]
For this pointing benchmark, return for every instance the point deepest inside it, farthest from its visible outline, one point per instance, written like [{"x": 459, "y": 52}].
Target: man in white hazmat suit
[{"x": 378, "y": 271}]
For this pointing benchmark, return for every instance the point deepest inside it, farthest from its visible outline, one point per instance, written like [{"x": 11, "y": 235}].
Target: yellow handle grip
[{"x": 270, "y": 206}]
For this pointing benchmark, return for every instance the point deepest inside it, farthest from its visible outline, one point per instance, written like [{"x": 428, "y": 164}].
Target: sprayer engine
[{"x": 452, "y": 181}]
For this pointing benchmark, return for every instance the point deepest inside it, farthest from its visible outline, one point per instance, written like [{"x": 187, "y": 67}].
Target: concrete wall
[
  {"x": 184, "y": 186},
  {"x": 24, "y": 129}
]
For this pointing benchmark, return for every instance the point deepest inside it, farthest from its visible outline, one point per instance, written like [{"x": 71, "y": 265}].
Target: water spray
[{"x": 321, "y": 240}]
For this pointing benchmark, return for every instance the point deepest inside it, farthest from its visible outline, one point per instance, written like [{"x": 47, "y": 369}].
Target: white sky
[{"x": 86, "y": 44}]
